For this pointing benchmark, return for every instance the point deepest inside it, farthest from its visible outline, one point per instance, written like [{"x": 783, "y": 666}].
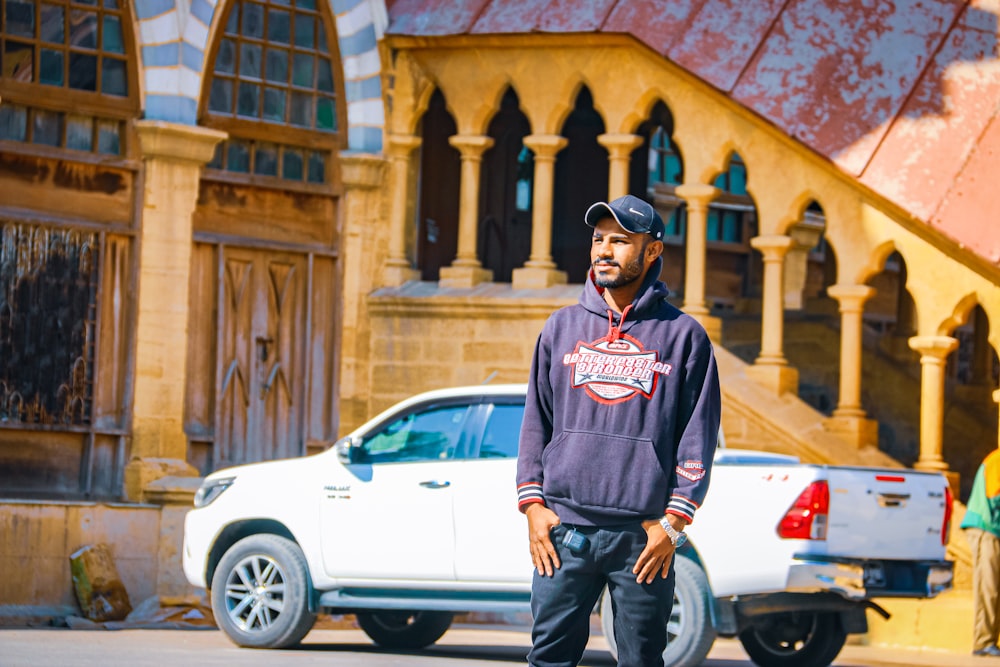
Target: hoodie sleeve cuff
[
  {"x": 682, "y": 507},
  {"x": 528, "y": 494}
]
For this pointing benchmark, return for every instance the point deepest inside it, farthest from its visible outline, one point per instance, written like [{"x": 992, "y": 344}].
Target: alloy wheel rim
[{"x": 255, "y": 593}]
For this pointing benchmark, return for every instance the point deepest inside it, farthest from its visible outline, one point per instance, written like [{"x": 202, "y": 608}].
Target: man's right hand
[{"x": 543, "y": 553}]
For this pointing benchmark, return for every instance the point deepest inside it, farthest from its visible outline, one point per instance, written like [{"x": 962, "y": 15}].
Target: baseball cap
[{"x": 632, "y": 213}]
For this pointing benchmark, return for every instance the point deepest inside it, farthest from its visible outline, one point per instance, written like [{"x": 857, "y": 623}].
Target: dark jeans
[{"x": 561, "y": 605}]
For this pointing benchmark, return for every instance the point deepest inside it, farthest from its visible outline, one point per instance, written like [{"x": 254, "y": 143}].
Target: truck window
[
  {"x": 431, "y": 435},
  {"x": 503, "y": 427}
]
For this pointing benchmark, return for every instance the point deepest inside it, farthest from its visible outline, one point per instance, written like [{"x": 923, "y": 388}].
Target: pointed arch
[
  {"x": 506, "y": 196},
  {"x": 959, "y": 314}
]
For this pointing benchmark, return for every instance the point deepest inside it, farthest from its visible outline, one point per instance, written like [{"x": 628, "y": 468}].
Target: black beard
[{"x": 626, "y": 276}]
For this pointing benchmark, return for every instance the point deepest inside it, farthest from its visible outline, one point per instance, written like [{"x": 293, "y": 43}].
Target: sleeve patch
[{"x": 692, "y": 470}]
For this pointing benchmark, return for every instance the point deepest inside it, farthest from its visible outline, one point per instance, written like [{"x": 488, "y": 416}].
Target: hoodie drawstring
[{"x": 615, "y": 332}]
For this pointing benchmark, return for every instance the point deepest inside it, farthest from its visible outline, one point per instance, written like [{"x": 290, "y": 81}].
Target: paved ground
[{"x": 463, "y": 646}]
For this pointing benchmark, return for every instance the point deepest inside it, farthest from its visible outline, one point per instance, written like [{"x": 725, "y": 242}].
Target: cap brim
[{"x": 599, "y": 211}]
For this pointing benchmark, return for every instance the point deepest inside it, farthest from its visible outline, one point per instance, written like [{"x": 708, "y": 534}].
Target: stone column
[
  {"x": 467, "y": 270},
  {"x": 698, "y": 196},
  {"x": 540, "y": 271},
  {"x": 620, "y": 147},
  {"x": 173, "y": 156},
  {"x": 397, "y": 269},
  {"x": 934, "y": 351},
  {"x": 848, "y": 419},
  {"x": 364, "y": 205},
  {"x": 771, "y": 369},
  {"x": 806, "y": 235}
]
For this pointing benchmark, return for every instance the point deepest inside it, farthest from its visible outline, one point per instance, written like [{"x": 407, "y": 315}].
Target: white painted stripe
[
  {"x": 159, "y": 30},
  {"x": 354, "y": 20},
  {"x": 362, "y": 66},
  {"x": 190, "y": 82},
  {"x": 196, "y": 33},
  {"x": 366, "y": 112},
  {"x": 162, "y": 80}
]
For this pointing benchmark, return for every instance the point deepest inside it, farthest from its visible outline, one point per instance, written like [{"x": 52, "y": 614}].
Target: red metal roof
[{"x": 904, "y": 96}]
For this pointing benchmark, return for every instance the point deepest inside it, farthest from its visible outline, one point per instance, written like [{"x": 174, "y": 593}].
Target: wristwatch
[{"x": 677, "y": 537}]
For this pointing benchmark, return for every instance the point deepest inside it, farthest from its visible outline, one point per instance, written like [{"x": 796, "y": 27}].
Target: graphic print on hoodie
[{"x": 622, "y": 413}]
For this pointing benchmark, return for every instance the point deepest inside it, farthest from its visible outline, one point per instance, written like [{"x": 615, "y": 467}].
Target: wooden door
[{"x": 260, "y": 351}]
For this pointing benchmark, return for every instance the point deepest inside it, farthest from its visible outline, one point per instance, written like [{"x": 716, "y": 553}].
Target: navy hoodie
[{"x": 622, "y": 413}]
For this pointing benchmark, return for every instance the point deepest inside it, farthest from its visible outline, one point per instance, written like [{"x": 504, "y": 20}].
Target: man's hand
[
  {"x": 543, "y": 552},
  {"x": 658, "y": 553}
]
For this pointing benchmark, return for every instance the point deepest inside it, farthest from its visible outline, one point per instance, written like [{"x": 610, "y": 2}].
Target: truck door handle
[
  {"x": 435, "y": 484},
  {"x": 893, "y": 499}
]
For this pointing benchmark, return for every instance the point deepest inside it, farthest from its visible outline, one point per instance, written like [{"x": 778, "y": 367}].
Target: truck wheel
[
  {"x": 404, "y": 629},
  {"x": 796, "y": 639},
  {"x": 260, "y": 593},
  {"x": 690, "y": 633}
]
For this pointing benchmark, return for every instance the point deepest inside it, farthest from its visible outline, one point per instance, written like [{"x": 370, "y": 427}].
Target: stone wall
[
  {"x": 37, "y": 539},
  {"x": 426, "y": 337}
]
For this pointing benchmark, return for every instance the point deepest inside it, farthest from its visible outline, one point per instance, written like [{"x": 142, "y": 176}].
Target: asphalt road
[{"x": 464, "y": 646}]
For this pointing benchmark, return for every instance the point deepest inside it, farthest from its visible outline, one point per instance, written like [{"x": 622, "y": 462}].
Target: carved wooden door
[{"x": 261, "y": 357}]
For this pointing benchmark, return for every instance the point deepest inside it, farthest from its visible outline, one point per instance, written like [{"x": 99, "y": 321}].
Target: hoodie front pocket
[{"x": 601, "y": 470}]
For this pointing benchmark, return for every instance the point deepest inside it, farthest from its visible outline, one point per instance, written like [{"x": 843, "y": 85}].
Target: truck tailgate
[{"x": 884, "y": 513}]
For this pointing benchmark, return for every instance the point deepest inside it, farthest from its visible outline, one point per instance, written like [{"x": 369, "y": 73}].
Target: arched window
[
  {"x": 273, "y": 88},
  {"x": 731, "y": 215},
  {"x": 65, "y": 74}
]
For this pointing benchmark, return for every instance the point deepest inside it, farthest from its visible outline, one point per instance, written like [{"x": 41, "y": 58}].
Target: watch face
[{"x": 681, "y": 539}]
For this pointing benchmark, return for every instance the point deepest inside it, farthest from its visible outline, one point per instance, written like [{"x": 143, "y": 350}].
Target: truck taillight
[
  {"x": 949, "y": 499},
  {"x": 806, "y": 518}
]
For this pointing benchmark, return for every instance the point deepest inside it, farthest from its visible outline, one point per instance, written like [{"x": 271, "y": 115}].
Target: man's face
[{"x": 619, "y": 257}]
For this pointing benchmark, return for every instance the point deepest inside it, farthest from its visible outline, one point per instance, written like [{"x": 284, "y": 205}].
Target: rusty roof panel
[
  {"x": 575, "y": 15},
  {"x": 925, "y": 149},
  {"x": 656, "y": 23},
  {"x": 896, "y": 94},
  {"x": 510, "y": 16},
  {"x": 968, "y": 214},
  {"x": 722, "y": 37},
  {"x": 433, "y": 17},
  {"x": 833, "y": 73}
]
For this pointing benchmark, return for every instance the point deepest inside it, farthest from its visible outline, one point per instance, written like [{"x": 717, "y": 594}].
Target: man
[
  {"x": 982, "y": 527},
  {"x": 619, "y": 431}
]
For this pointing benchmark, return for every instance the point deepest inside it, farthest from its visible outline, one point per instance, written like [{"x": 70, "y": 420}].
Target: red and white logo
[{"x": 612, "y": 372}]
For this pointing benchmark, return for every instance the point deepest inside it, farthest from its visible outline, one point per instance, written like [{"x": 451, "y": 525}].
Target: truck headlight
[{"x": 211, "y": 489}]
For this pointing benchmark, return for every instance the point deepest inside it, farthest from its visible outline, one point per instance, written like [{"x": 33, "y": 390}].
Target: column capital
[
  {"x": 176, "y": 141},
  {"x": 937, "y": 347},
  {"x": 772, "y": 246},
  {"x": 545, "y": 145},
  {"x": 851, "y": 297},
  {"x": 470, "y": 145},
  {"x": 361, "y": 170},
  {"x": 401, "y": 145},
  {"x": 619, "y": 145},
  {"x": 697, "y": 193}
]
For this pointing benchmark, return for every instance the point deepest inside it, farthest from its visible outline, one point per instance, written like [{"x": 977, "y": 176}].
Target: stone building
[{"x": 233, "y": 230}]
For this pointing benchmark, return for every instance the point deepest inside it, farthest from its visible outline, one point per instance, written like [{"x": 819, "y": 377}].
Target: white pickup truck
[{"x": 412, "y": 518}]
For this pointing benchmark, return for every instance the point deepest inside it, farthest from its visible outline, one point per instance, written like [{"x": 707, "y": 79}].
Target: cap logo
[{"x": 632, "y": 210}]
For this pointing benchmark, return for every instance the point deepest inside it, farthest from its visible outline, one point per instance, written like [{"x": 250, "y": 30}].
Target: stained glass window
[
  {"x": 75, "y": 45},
  {"x": 273, "y": 65}
]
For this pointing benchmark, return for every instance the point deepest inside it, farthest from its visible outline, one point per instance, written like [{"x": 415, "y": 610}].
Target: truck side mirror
[{"x": 347, "y": 449}]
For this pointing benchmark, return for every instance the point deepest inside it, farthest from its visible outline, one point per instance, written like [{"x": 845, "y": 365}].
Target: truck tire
[
  {"x": 795, "y": 639},
  {"x": 260, "y": 593},
  {"x": 690, "y": 633},
  {"x": 404, "y": 629}
]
